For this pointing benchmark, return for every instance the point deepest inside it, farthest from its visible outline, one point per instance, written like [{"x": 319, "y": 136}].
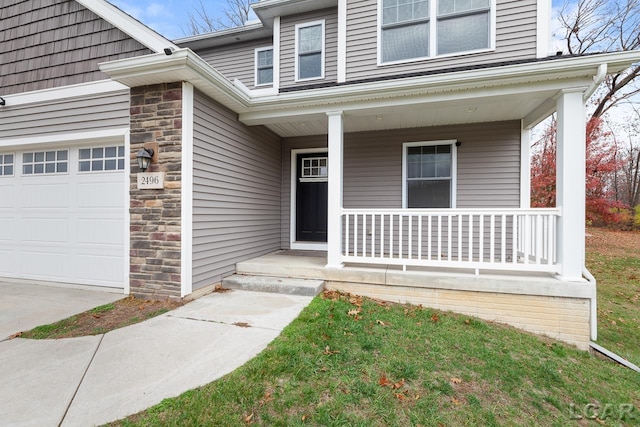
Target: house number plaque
[{"x": 151, "y": 181}]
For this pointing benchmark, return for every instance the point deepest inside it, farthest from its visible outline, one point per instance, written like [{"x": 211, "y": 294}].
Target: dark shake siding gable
[
  {"x": 488, "y": 166},
  {"x": 236, "y": 191},
  {"x": 52, "y": 43}
]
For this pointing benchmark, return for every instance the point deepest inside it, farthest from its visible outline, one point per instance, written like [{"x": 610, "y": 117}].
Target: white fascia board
[
  {"x": 553, "y": 73},
  {"x": 266, "y": 10},
  {"x": 64, "y": 92},
  {"x": 182, "y": 65},
  {"x": 128, "y": 25}
]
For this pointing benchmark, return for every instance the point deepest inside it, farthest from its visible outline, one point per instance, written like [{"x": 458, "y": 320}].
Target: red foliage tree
[{"x": 601, "y": 166}]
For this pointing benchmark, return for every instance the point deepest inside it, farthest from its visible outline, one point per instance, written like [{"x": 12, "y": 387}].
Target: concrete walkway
[{"x": 93, "y": 380}]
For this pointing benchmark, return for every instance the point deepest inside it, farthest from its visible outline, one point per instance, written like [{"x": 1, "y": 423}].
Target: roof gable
[{"x": 52, "y": 43}]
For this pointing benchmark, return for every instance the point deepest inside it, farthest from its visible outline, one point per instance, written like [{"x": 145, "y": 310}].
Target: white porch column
[
  {"x": 334, "y": 205},
  {"x": 570, "y": 183}
]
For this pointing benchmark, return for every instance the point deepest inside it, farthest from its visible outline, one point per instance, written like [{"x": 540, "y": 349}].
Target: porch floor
[{"x": 312, "y": 265}]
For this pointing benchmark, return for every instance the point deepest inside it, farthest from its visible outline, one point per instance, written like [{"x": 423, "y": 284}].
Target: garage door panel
[
  {"x": 45, "y": 230},
  {"x": 100, "y": 195},
  {"x": 100, "y": 268},
  {"x": 7, "y": 261},
  {"x": 109, "y": 231},
  {"x": 7, "y": 193},
  {"x": 51, "y": 263},
  {"x": 8, "y": 227},
  {"x": 40, "y": 195}
]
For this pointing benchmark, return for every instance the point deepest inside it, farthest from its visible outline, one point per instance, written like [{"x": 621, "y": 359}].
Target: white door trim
[{"x": 309, "y": 246}]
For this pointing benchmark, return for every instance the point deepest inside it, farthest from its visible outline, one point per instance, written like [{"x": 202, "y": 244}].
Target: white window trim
[
  {"x": 454, "y": 168},
  {"x": 322, "y": 53},
  {"x": 255, "y": 65},
  {"x": 433, "y": 46},
  {"x": 293, "y": 244}
]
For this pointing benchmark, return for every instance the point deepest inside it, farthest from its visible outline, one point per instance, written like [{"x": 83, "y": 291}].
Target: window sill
[{"x": 432, "y": 58}]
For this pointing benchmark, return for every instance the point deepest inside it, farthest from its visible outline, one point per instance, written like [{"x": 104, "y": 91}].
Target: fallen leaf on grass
[
  {"x": 434, "y": 317},
  {"x": 456, "y": 380},
  {"x": 353, "y": 313},
  {"x": 381, "y": 323},
  {"x": 400, "y": 396},
  {"x": 384, "y": 382},
  {"x": 328, "y": 351},
  {"x": 304, "y": 417},
  {"x": 455, "y": 401},
  {"x": 398, "y": 384},
  {"x": 249, "y": 419}
]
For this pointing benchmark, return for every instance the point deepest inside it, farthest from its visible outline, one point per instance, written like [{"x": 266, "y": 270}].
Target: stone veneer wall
[{"x": 156, "y": 117}]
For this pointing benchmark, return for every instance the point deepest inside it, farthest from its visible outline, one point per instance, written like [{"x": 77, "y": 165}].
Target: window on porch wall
[{"x": 428, "y": 177}]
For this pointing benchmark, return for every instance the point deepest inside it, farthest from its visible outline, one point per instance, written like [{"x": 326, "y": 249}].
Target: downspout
[
  {"x": 593, "y": 315},
  {"x": 597, "y": 81}
]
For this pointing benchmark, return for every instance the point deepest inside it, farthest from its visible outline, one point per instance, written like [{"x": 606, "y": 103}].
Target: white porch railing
[{"x": 492, "y": 239}]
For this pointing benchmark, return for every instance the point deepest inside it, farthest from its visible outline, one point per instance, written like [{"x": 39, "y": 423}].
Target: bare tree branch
[
  {"x": 604, "y": 26},
  {"x": 234, "y": 14}
]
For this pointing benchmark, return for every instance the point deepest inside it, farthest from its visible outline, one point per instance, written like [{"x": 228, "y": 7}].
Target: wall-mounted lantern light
[{"x": 144, "y": 157}]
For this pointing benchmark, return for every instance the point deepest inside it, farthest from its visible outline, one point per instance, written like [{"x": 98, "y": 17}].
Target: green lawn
[
  {"x": 618, "y": 303},
  {"x": 349, "y": 361}
]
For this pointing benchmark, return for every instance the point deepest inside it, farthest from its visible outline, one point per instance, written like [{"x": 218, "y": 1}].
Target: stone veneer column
[{"x": 156, "y": 117}]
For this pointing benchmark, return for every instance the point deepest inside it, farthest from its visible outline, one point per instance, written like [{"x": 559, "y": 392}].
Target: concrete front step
[{"x": 279, "y": 285}]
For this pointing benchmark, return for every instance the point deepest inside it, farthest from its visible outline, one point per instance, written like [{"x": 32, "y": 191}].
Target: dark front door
[{"x": 311, "y": 197}]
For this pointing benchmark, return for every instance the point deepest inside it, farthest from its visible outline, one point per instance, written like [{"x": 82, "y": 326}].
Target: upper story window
[
  {"x": 429, "y": 170},
  {"x": 419, "y": 29},
  {"x": 463, "y": 25},
  {"x": 41, "y": 162},
  {"x": 405, "y": 29},
  {"x": 310, "y": 50},
  {"x": 264, "y": 66}
]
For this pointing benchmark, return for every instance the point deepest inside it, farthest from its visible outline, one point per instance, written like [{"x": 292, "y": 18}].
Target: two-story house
[{"x": 379, "y": 145}]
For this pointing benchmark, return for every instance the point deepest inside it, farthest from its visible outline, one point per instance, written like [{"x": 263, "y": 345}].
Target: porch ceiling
[{"x": 413, "y": 113}]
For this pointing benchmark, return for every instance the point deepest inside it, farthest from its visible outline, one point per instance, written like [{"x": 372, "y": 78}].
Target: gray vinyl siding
[
  {"x": 488, "y": 166},
  {"x": 515, "y": 40},
  {"x": 236, "y": 192},
  {"x": 236, "y": 61},
  {"x": 288, "y": 40},
  {"x": 83, "y": 114},
  {"x": 51, "y": 43}
]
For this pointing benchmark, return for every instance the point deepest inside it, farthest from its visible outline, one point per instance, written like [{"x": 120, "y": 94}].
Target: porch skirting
[
  {"x": 562, "y": 318},
  {"x": 534, "y": 302}
]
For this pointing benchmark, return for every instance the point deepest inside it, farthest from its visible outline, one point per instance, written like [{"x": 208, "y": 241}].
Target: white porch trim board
[
  {"x": 335, "y": 202},
  {"x": 525, "y": 168},
  {"x": 186, "y": 223},
  {"x": 570, "y": 182}
]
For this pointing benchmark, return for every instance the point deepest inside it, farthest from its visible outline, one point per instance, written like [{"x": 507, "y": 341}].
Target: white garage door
[{"x": 62, "y": 214}]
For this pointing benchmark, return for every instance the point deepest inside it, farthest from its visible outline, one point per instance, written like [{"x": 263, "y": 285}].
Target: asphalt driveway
[{"x": 25, "y": 305}]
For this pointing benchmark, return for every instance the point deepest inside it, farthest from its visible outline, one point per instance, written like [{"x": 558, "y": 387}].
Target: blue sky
[{"x": 170, "y": 17}]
